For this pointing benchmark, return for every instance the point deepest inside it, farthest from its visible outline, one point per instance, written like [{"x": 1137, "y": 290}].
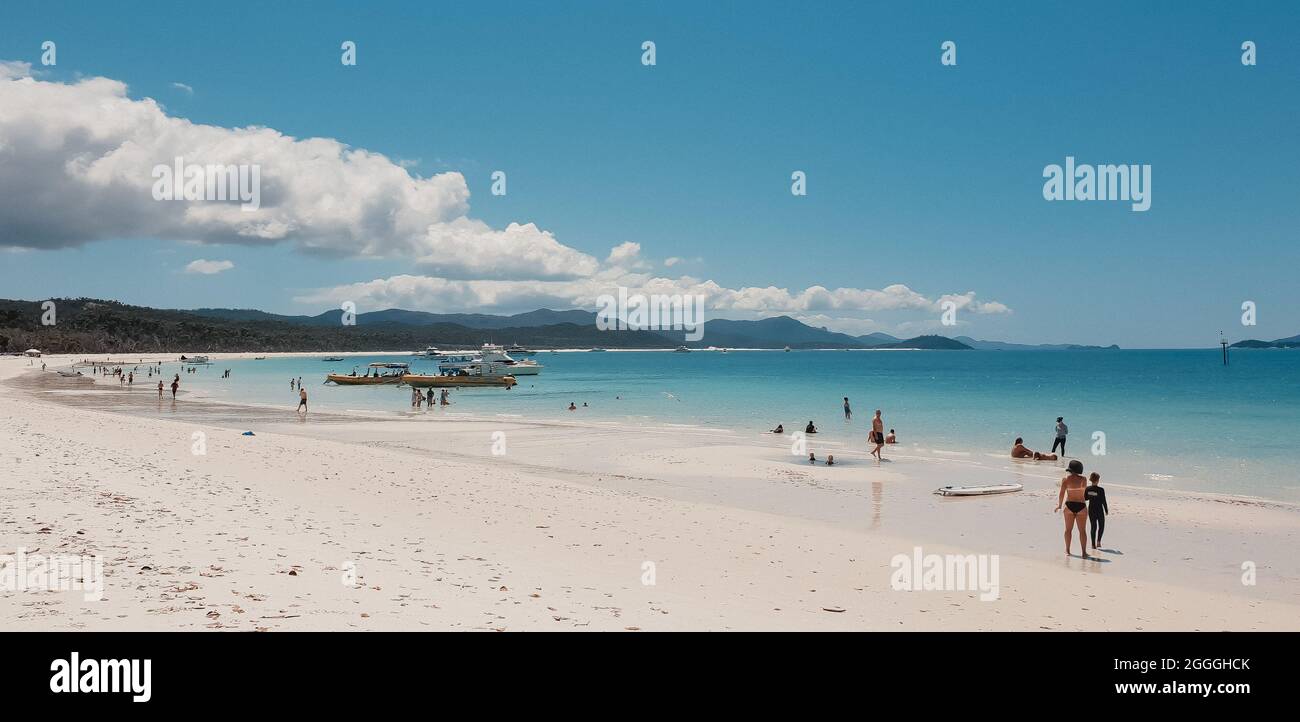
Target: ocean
[{"x": 1176, "y": 419}]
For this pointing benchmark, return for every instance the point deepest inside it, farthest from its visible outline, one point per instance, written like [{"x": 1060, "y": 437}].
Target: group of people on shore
[
  {"x": 1083, "y": 499},
  {"x": 419, "y": 398},
  {"x": 876, "y": 437}
]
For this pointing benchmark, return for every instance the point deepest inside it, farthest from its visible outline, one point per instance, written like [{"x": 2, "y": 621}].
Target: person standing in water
[
  {"x": 1072, "y": 494},
  {"x": 160, "y": 389},
  {"x": 878, "y": 435},
  {"x": 1061, "y": 431},
  {"x": 1097, "y": 509},
  {"x": 176, "y": 384},
  {"x": 848, "y": 412},
  {"x": 302, "y": 399}
]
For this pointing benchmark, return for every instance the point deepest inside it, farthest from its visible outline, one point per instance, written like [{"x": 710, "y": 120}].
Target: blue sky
[{"x": 918, "y": 174}]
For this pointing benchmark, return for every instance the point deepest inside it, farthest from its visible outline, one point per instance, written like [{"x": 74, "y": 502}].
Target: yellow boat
[
  {"x": 456, "y": 379},
  {"x": 399, "y": 371}
]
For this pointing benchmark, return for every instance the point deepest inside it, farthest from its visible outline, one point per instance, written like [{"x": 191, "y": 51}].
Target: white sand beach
[{"x": 562, "y": 530}]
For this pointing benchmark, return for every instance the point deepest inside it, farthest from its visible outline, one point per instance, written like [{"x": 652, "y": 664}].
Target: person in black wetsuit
[{"x": 1097, "y": 509}]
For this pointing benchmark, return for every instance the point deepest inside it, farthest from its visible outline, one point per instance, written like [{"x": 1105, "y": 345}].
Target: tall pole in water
[{"x": 1224, "y": 343}]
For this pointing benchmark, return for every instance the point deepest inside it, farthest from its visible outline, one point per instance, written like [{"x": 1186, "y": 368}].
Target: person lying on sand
[
  {"x": 1020, "y": 451},
  {"x": 779, "y": 429}
]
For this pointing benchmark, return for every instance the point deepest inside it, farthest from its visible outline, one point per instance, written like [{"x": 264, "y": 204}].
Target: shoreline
[
  {"x": 986, "y": 459},
  {"x": 642, "y": 492}
]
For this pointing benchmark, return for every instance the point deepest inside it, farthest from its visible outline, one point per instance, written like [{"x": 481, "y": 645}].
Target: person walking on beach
[
  {"x": 302, "y": 399},
  {"x": 878, "y": 435},
  {"x": 1061, "y": 431},
  {"x": 160, "y": 389},
  {"x": 176, "y": 384},
  {"x": 1097, "y": 509},
  {"x": 848, "y": 412},
  {"x": 1072, "y": 494}
]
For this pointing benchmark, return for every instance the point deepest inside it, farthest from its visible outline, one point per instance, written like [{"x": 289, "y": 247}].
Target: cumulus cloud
[
  {"x": 207, "y": 267},
  {"x": 11, "y": 69},
  {"x": 78, "y": 167},
  {"x": 77, "y": 164},
  {"x": 850, "y": 306}
]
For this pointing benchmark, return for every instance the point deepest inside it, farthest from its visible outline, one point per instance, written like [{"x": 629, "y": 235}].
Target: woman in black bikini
[{"x": 1076, "y": 510}]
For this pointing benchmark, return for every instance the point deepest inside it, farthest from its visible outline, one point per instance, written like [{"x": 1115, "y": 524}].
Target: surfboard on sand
[{"x": 980, "y": 490}]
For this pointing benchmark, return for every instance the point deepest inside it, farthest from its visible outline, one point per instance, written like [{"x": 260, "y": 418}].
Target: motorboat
[
  {"x": 492, "y": 360},
  {"x": 456, "y": 378},
  {"x": 681, "y": 349},
  {"x": 383, "y": 373},
  {"x": 518, "y": 350},
  {"x": 195, "y": 360},
  {"x": 597, "y": 350},
  {"x": 332, "y": 358}
]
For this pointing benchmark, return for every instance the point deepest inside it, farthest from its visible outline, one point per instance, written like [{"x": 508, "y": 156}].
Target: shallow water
[{"x": 1170, "y": 419}]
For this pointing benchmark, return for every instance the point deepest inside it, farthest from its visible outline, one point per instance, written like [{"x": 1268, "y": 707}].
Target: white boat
[
  {"x": 431, "y": 352},
  {"x": 681, "y": 349},
  {"x": 594, "y": 350},
  {"x": 492, "y": 360},
  {"x": 518, "y": 350},
  {"x": 787, "y": 349},
  {"x": 194, "y": 360}
]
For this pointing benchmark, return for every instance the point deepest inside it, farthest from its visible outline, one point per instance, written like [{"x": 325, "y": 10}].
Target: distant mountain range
[
  {"x": 1290, "y": 342},
  {"x": 99, "y": 326}
]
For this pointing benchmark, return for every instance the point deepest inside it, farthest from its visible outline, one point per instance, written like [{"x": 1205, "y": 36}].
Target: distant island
[
  {"x": 87, "y": 325},
  {"x": 1291, "y": 342}
]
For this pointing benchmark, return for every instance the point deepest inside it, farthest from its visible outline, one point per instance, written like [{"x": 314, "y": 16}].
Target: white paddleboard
[{"x": 978, "y": 490}]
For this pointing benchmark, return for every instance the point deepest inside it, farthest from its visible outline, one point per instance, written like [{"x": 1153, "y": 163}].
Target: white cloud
[
  {"x": 207, "y": 267},
  {"x": 850, "y": 305},
  {"x": 78, "y": 168},
  {"x": 182, "y": 86},
  {"x": 626, "y": 256},
  {"x": 13, "y": 69}
]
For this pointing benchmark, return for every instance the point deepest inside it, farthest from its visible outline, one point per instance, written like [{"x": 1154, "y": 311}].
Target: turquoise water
[{"x": 1175, "y": 419}]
